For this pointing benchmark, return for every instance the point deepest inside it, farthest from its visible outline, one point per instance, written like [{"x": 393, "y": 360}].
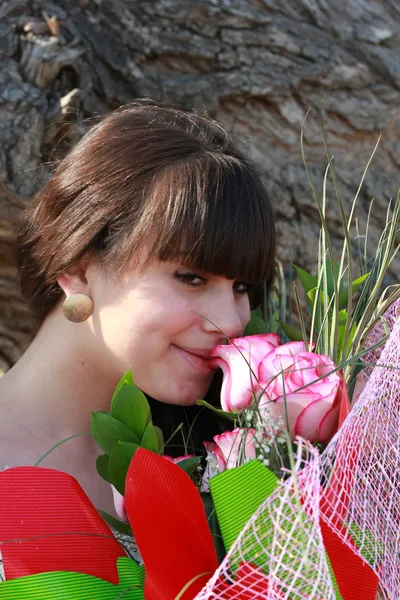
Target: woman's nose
[{"x": 227, "y": 317}]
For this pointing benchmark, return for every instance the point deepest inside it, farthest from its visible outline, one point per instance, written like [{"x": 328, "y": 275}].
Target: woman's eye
[
  {"x": 242, "y": 288},
  {"x": 192, "y": 279}
]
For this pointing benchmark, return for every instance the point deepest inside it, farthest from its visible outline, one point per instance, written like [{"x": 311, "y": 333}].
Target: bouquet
[{"x": 298, "y": 499}]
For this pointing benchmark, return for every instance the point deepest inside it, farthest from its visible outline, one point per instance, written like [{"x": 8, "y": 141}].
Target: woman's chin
[{"x": 182, "y": 396}]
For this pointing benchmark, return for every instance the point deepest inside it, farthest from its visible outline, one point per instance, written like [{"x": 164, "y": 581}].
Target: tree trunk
[{"x": 256, "y": 65}]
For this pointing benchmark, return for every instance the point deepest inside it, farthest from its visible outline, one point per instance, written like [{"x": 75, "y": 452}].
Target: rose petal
[
  {"x": 236, "y": 390},
  {"x": 279, "y": 359},
  {"x": 230, "y": 445},
  {"x": 292, "y": 348},
  {"x": 268, "y": 341},
  {"x": 209, "y": 446},
  {"x": 344, "y": 400},
  {"x": 295, "y": 405},
  {"x": 308, "y": 421},
  {"x": 119, "y": 505},
  {"x": 178, "y": 458},
  {"x": 239, "y": 362},
  {"x": 329, "y": 425},
  {"x": 213, "y": 449},
  {"x": 335, "y": 417}
]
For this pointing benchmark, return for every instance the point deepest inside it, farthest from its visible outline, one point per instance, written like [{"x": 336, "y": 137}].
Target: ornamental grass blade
[{"x": 338, "y": 321}]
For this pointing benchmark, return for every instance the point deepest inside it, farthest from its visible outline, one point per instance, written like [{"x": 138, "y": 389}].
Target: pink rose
[
  {"x": 239, "y": 362},
  {"x": 305, "y": 382},
  {"x": 178, "y": 458},
  {"x": 119, "y": 499},
  {"x": 314, "y": 400},
  {"x": 231, "y": 447},
  {"x": 119, "y": 505}
]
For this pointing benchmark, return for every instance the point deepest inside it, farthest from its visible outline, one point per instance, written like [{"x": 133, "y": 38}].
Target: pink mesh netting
[
  {"x": 285, "y": 538},
  {"x": 360, "y": 476}
]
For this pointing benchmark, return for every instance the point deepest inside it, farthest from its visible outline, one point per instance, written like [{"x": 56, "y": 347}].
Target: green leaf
[
  {"x": 307, "y": 280},
  {"x": 130, "y": 406},
  {"x": 127, "y": 378},
  {"x": 189, "y": 465},
  {"x": 293, "y": 334},
  {"x": 102, "y": 467},
  {"x": 311, "y": 299},
  {"x": 108, "y": 431},
  {"x": 257, "y": 312},
  {"x": 355, "y": 286},
  {"x": 311, "y": 295},
  {"x": 119, "y": 463},
  {"x": 120, "y": 526},
  {"x": 256, "y": 325},
  {"x": 160, "y": 437},
  {"x": 151, "y": 439}
]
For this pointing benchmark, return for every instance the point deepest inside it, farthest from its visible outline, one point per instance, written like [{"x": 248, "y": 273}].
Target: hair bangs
[{"x": 212, "y": 213}]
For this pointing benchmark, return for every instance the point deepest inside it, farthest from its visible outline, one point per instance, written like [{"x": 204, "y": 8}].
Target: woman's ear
[{"x": 74, "y": 281}]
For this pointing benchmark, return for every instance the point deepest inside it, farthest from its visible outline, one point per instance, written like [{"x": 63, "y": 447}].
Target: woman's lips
[{"x": 200, "y": 363}]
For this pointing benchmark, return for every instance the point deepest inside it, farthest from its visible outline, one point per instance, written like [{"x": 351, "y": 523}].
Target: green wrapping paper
[{"x": 63, "y": 585}]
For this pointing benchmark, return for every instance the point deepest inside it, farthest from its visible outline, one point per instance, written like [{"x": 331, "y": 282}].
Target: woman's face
[{"x": 163, "y": 322}]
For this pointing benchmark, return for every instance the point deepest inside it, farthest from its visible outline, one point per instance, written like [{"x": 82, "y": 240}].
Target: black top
[{"x": 198, "y": 423}]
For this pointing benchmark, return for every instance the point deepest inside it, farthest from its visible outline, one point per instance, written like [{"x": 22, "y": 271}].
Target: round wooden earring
[{"x": 77, "y": 308}]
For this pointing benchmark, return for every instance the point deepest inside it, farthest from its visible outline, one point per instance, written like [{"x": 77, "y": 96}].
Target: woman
[{"x": 143, "y": 251}]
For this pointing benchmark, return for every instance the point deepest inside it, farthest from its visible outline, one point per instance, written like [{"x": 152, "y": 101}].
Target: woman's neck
[
  {"x": 48, "y": 396},
  {"x": 60, "y": 379}
]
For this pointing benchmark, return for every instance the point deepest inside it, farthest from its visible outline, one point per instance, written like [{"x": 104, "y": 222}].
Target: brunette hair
[{"x": 148, "y": 173}]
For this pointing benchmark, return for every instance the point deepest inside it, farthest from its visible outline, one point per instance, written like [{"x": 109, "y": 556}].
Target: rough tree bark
[{"x": 256, "y": 65}]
